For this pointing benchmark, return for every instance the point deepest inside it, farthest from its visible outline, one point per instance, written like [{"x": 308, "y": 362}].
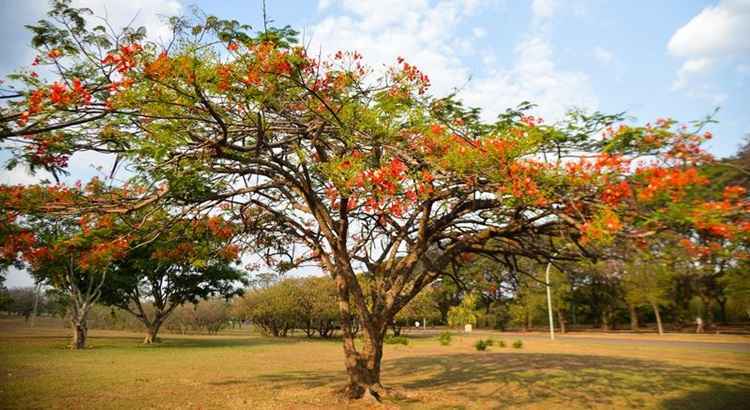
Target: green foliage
[
  {"x": 518, "y": 344},
  {"x": 302, "y": 303},
  {"x": 481, "y": 345},
  {"x": 396, "y": 340},
  {"x": 465, "y": 313},
  {"x": 445, "y": 338}
]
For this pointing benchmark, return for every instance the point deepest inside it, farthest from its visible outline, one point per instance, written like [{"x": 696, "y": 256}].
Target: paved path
[
  {"x": 635, "y": 341},
  {"x": 679, "y": 344}
]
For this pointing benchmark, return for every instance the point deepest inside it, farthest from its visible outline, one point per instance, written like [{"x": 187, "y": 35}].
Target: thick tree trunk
[
  {"x": 363, "y": 367},
  {"x": 80, "y": 332},
  {"x": 152, "y": 332},
  {"x": 658, "y": 318},
  {"x": 633, "y": 317}
]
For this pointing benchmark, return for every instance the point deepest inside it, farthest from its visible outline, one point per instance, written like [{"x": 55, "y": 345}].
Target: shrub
[
  {"x": 501, "y": 343},
  {"x": 518, "y": 344},
  {"x": 445, "y": 338},
  {"x": 490, "y": 342},
  {"x": 480, "y": 345},
  {"x": 396, "y": 340}
]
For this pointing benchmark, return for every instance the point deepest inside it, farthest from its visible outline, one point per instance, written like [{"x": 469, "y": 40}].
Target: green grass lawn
[{"x": 237, "y": 370}]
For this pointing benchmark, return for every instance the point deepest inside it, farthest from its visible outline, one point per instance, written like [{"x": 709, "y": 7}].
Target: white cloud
[
  {"x": 430, "y": 36},
  {"x": 533, "y": 77},
  {"x": 603, "y": 55},
  {"x": 479, "y": 32},
  {"x": 425, "y": 34},
  {"x": 20, "y": 175},
  {"x": 151, "y": 14},
  {"x": 690, "y": 69},
  {"x": 719, "y": 32},
  {"x": 324, "y": 4},
  {"x": 16, "y": 52},
  {"x": 543, "y": 8}
]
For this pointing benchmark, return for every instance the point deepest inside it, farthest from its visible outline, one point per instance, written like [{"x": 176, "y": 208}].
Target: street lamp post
[{"x": 549, "y": 304}]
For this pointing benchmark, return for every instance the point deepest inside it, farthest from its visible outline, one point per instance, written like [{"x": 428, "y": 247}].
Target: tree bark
[
  {"x": 633, "y": 317},
  {"x": 658, "y": 318},
  {"x": 80, "y": 332},
  {"x": 722, "y": 301},
  {"x": 363, "y": 367},
  {"x": 152, "y": 332}
]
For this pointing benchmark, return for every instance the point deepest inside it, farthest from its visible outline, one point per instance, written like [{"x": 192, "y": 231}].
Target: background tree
[
  {"x": 466, "y": 313},
  {"x": 74, "y": 259},
  {"x": 421, "y": 309},
  {"x": 190, "y": 260}
]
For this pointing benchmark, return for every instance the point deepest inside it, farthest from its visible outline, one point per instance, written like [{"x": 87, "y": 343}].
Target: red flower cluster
[{"x": 124, "y": 60}]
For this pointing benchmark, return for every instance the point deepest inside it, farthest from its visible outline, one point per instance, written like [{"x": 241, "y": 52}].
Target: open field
[{"x": 237, "y": 370}]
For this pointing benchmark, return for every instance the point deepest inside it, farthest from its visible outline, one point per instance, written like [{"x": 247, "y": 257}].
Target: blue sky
[{"x": 678, "y": 58}]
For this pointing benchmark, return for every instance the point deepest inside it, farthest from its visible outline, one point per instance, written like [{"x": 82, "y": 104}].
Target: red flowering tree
[
  {"x": 73, "y": 258},
  {"x": 333, "y": 163},
  {"x": 174, "y": 261}
]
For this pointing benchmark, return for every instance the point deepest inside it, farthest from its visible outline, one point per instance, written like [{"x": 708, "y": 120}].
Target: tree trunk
[
  {"x": 722, "y": 309},
  {"x": 363, "y": 367},
  {"x": 80, "y": 332},
  {"x": 633, "y": 317},
  {"x": 658, "y": 318},
  {"x": 396, "y": 329},
  {"x": 561, "y": 320},
  {"x": 605, "y": 320},
  {"x": 151, "y": 333}
]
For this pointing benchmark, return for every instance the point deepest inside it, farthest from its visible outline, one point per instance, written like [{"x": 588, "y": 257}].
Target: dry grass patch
[{"x": 239, "y": 371}]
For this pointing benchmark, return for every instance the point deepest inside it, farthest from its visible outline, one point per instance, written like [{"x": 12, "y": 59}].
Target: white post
[{"x": 549, "y": 305}]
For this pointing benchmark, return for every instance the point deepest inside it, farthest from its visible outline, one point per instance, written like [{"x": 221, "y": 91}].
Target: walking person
[{"x": 699, "y": 325}]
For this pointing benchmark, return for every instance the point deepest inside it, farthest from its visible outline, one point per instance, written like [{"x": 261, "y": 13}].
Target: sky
[{"x": 671, "y": 58}]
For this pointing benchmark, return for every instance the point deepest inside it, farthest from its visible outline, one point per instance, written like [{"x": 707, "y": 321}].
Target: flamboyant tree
[
  {"x": 188, "y": 261},
  {"x": 328, "y": 161},
  {"x": 73, "y": 256}
]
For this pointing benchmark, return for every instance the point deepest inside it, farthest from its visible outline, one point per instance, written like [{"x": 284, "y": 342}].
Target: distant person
[
  {"x": 698, "y": 325},
  {"x": 416, "y": 324}
]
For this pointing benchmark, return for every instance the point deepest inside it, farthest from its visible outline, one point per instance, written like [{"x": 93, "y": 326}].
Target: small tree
[
  {"x": 275, "y": 310},
  {"x": 466, "y": 313},
  {"x": 647, "y": 281},
  {"x": 189, "y": 261},
  {"x": 74, "y": 259}
]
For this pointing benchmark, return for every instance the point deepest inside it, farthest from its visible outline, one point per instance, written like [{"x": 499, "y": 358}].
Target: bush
[
  {"x": 490, "y": 342},
  {"x": 501, "y": 343},
  {"x": 396, "y": 340},
  {"x": 445, "y": 338},
  {"x": 480, "y": 345},
  {"x": 518, "y": 344}
]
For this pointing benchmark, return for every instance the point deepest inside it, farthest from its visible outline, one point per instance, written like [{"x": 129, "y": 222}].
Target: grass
[{"x": 235, "y": 370}]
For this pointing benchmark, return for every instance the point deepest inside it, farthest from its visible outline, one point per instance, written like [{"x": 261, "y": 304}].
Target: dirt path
[{"x": 672, "y": 344}]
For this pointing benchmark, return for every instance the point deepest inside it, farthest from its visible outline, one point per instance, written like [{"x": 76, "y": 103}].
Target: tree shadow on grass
[
  {"x": 306, "y": 379},
  {"x": 578, "y": 380}
]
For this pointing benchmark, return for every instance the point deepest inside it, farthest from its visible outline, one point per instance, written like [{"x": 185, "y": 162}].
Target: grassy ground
[{"x": 238, "y": 371}]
